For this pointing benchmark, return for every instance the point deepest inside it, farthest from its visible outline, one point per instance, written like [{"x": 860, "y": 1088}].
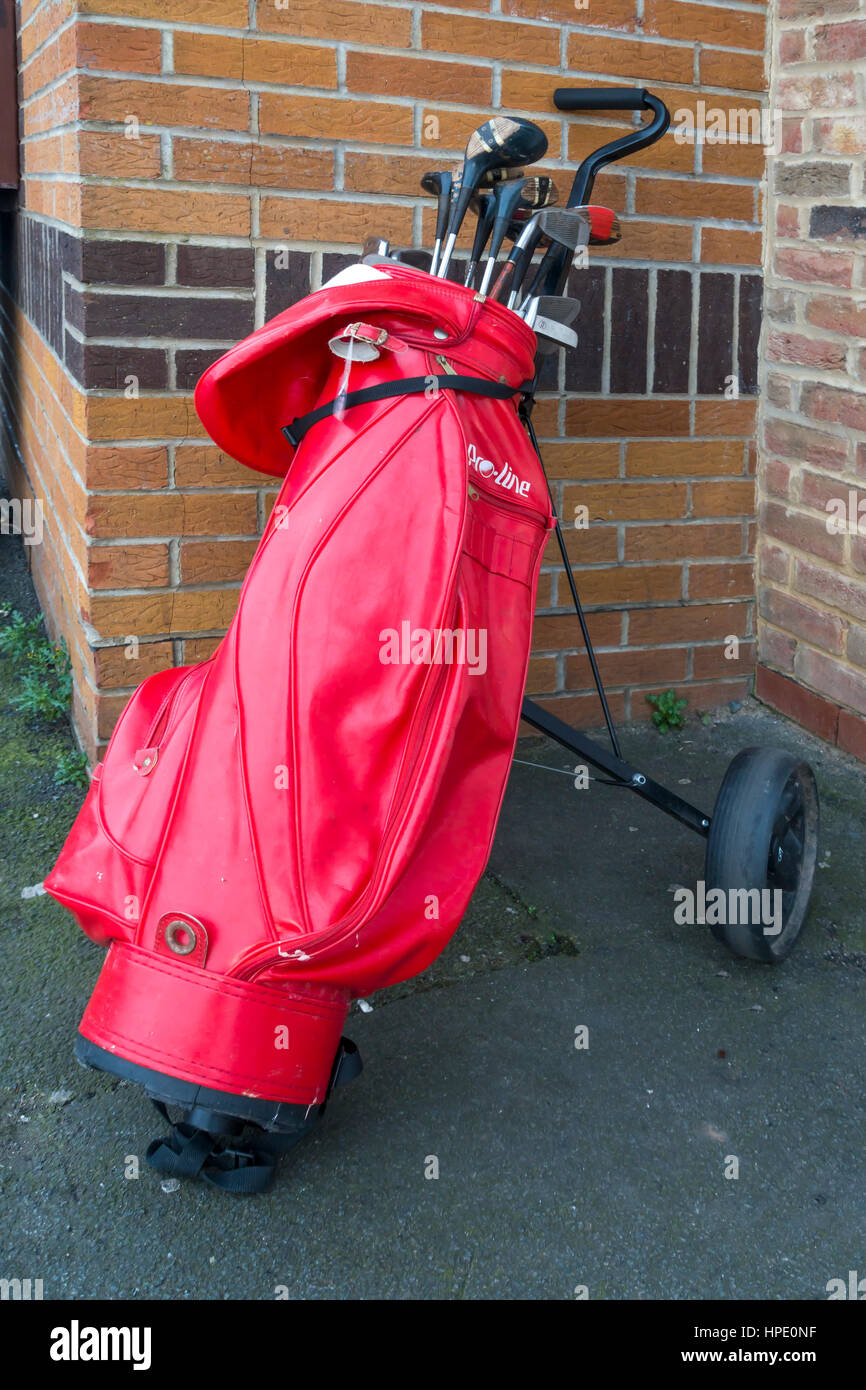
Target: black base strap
[
  {"x": 244, "y": 1166},
  {"x": 409, "y": 386}
]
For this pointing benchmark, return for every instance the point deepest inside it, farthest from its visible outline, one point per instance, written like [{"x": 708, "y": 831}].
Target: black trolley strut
[{"x": 621, "y": 772}]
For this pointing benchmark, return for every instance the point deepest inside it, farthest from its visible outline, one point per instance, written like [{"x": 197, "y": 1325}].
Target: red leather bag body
[{"x": 303, "y": 818}]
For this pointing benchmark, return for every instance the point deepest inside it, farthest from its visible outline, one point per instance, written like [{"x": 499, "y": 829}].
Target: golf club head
[
  {"x": 538, "y": 192},
  {"x": 605, "y": 229},
  {"x": 568, "y": 227},
  {"x": 501, "y": 142},
  {"x": 439, "y": 182},
  {"x": 557, "y": 306},
  {"x": 491, "y": 179},
  {"x": 551, "y": 336},
  {"x": 375, "y": 246},
  {"x": 510, "y": 140},
  {"x": 550, "y": 317}
]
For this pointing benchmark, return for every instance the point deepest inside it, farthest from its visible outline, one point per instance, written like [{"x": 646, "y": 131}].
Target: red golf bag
[{"x": 303, "y": 818}]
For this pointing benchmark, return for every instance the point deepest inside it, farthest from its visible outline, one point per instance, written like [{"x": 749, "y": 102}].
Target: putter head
[
  {"x": 551, "y": 335},
  {"x": 551, "y": 320},
  {"x": 559, "y": 307}
]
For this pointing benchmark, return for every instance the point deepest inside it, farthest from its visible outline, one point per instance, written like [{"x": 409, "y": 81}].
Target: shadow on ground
[{"x": 558, "y": 1167}]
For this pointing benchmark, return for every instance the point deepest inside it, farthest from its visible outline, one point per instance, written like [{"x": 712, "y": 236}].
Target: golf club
[
  {"x": 439, "y": 183},
  {"x": 484, "y": 206},
  {"x": 507, "y": 198},
  {"x": 572, "y": 231},
  {"x": 550, "y": 317},
  {"x": 565, "y": 227},
  {"x": 503, "y": 142}
]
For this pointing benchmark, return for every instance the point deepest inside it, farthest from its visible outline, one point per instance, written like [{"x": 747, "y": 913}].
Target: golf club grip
[{"x": 599, "y": 98}]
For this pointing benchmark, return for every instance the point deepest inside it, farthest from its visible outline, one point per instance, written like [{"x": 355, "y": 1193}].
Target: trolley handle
[
  {"x": 611, "y": 99},
  {"x": 600, "y": 98}
]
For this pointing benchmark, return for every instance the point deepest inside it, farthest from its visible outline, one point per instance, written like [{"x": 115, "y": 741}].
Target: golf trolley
[{"x": 763, "y": 833}]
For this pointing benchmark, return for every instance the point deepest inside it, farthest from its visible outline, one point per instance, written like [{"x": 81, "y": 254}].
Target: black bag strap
[
  {"x": 251, "y": 1165},
  {"x": 409, "y": 386}
]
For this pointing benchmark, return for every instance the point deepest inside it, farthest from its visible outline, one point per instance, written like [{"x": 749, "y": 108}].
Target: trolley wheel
[{"x": 764, "y": 835}]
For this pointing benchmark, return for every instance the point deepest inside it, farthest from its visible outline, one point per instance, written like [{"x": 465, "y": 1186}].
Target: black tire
[{"x": 764, "y": 835}]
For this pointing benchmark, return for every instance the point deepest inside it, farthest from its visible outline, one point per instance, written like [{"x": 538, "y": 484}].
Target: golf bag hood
[{"x": 302, "y": 818}]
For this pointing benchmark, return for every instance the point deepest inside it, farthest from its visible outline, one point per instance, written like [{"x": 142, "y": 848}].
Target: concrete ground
[{"x": 558, "y": 1167}]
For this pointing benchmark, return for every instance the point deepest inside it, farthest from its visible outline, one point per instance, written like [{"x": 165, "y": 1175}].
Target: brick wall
[
  {"x": 191, "y": 168},
  {"x": 812, "y": 582}
]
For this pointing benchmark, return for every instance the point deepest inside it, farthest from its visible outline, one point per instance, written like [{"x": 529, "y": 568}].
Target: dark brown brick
[
  {"x": 122, "y": 263},
  {"x": 629, "y": 323},
  {"x": 583, "y": 367},
  {"x": 751, "y": 290},
  {"x": 107, "y": 367},
  {"x": 673, "y": 331},
  {"x": 231, "y": 267},
  {"x": 286, "y": 282},
  {"x": 189, "y": 365},
  {"x": 163, "y": 316},
  {"x": 715, "y": 332}
]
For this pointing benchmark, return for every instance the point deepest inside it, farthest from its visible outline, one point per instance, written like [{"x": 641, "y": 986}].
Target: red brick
[
  {"x": 840, "y": 41},
  {"x": 803, "y": 706},
  {"x": 838, "y": 314},
  {"x": 851, "y": 734},
  {"x": 809, "y": 91},
  {"x": 801, "y": 531},
  {"x": 831, "y": 678},
  {"x": 776, "y": 478},
  {"x": 802, "y": 620},
  {"x": 831, "y": 587},
  {"x": 806, "y": 352},
  {"x": 774, "y": 562},
  {"x": 837, "y": 406},
  {"x": 792, "y": 46},
  {"x": 776, "y": 648},
  {"x": 840, "y": 135},
  {"x": 815, "y": 267},
  {"x": 796, "y": 441}
]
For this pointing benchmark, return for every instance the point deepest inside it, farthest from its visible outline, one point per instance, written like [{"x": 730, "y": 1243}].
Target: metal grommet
[
  {"x": 440, "y": 333},
  {"x": 172, "y": 933}
]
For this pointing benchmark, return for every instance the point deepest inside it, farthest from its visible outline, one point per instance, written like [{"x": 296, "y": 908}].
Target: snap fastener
[
  {"x": 174, "y": 940},
  {"x": 440, "y": 333}
]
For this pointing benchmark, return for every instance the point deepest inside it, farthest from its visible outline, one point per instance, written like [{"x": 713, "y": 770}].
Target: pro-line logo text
[{"x": 505, "y": 478}]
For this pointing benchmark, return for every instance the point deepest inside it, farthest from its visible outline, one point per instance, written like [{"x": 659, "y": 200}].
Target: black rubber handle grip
[{"x": 599, "y": 98}]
